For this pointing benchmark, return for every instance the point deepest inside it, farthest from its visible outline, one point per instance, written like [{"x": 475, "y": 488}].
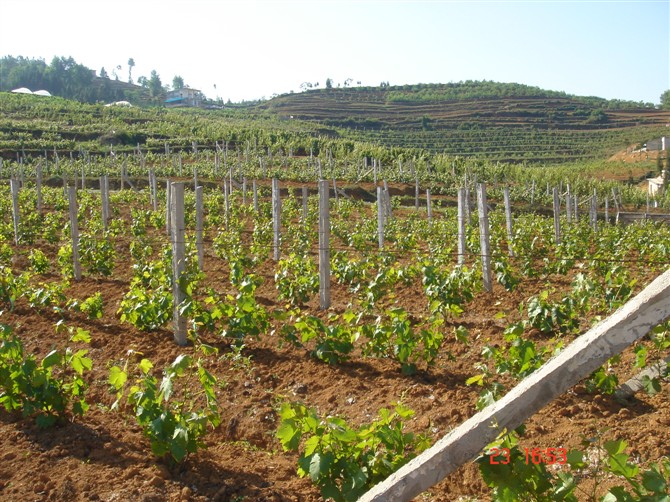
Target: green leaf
[
  {"x": 317, "y": 465},
  {"x": 565, "y": 487},
  {"x": 652, "y": 386},
  {"x": 654, "y": 482},
  {"x": 53, "y": 358},
  {"x": 145, "y": 366},
  {"x": 477, "y": 379},
  {"x": 181, "y": 364},
  {"x": 208, "y": 350},
  {"x": 314, "y": 443},
  {"x": 576, "y": 459},
  {"x": 117, "y": 377},
  {"x": 81, "y": 363},
  {"x": 81, "y": 335},
  {"x": 289, "y": 435},
  {"x": 166, "y": 386},
  {"x": 618, "y": 464},
  {"x": 618, "y": 494},
  {"x": 45, "y": 420},
  {"x": 615, "y": 447}
]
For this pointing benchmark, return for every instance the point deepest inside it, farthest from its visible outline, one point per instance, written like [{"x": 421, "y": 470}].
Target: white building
[
  {"x": 184, "y": 97},
  {"x": 655, "y": 185}
]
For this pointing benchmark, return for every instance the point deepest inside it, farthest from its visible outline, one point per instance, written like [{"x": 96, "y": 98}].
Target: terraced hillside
[{"x": 506, "y": 122}]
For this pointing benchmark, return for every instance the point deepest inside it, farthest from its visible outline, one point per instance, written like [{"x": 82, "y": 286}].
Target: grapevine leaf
[
  {"x": 576, "y": 459},
  {"x": 289, "y": 435},
  {"x": 477, "y": 379},
  {"x": 617, "y": 494},
  {"x": 53, "y": 358},
  {"x": 651, "y": 385},
  {"x": 615, "y": 447},
  {"x": 81, "y": 335},
  {"x": 182, "y": 363},
  {"x": 145, "y": 366},
  {"x": 654, "y": 482},
  {"x": 80, "y": 362}
]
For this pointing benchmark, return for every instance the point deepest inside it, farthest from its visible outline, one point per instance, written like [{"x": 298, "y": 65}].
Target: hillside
[{"x": 505, "y": 122}]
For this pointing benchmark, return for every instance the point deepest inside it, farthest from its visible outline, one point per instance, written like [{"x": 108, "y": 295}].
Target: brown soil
[{"x": 104, "y": 456}]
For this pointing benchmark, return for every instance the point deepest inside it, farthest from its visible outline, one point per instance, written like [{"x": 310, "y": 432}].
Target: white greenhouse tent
[
  {"x": 22, "y": 90},
  {"x": 42, "y": 92}
]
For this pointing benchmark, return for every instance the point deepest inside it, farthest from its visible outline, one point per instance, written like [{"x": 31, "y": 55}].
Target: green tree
[
  {"x": 329, "y": 83},
  {"x": 131, "y": 65},
  {"x": 103, "y": 73},
  {"x": 177, "y": 82},
  {"x": 665, "y": 100},
  {"x": 155, "y": 84}
]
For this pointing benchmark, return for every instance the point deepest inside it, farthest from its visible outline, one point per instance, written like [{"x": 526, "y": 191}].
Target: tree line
[{"x": 66, "y": 78}]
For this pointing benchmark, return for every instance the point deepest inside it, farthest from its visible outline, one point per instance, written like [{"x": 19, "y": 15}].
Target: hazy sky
[{"x": 253, "y": 49}]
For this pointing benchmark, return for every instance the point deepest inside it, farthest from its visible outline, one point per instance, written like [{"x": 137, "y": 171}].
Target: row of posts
[{"x": 175, "y": 227}]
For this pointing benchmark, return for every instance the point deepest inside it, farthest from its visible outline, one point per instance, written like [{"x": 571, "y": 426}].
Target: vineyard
[
  {"x": 437, "y": 305},
  {"x": 483, "y": 120}
]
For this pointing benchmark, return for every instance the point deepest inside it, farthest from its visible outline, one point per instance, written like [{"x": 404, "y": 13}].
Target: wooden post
[
  {"x": 594, "y": 211},
  {"x": 168, "y": 207},
  {"x": 14, "y": 186},
  {"x": 337, "y": 200},
  {"x": 244, "y": 191},
  {"x": 532, "y": 193},
  {"x": 416, "y": 194},
  {"x": 568, "y": 205},
  {"x": 484, "y": 236},
  {"x": 195, "y": 178},
  {"x": 577, "y": 361},
  {"x": 428, "y": 206},
  {"x": 198, "y": 227},
  {"x": 154, "y": 190},
  {"x": 461, "y": 226},
  {"x": 255, "y": 189},
  {"x": 226, "y": 201},
  {"x": 466, "y": 207},
  {"x": 647, "y": 202},
  {"x": 74, "y": 232},
  {"x": 324, "y": 245},
  {"x": 380, "y": 216},
  {"x": 38, "y": 187},
  {"x": 508, "y": 220},
  {"x": 104, "y": 200},
  {"x": 304, "y": 203},
  {"x": 387, "y": 203},
  {"x": 276, "y": 218},
  {"x": 557, "y": 218},
  {"x": 178, "y": 260},
  {"x": 616, "y": 202}
]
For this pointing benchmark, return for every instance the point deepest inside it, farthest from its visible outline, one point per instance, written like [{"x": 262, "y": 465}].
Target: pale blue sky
[{"x": 253, "y": 49}]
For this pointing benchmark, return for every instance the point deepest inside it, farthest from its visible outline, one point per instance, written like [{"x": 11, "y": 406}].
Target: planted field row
[{"x": 264, "y": 360}]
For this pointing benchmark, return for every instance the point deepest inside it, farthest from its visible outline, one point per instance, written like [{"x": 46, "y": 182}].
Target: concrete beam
[{"x": 576, "y": 362}]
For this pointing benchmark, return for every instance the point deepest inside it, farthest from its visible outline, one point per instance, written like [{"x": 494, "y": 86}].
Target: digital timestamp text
[{"x": 548, "y": 456}]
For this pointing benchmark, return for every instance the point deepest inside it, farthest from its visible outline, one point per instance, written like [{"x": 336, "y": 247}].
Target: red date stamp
[{"x": 535, "y": 456}]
